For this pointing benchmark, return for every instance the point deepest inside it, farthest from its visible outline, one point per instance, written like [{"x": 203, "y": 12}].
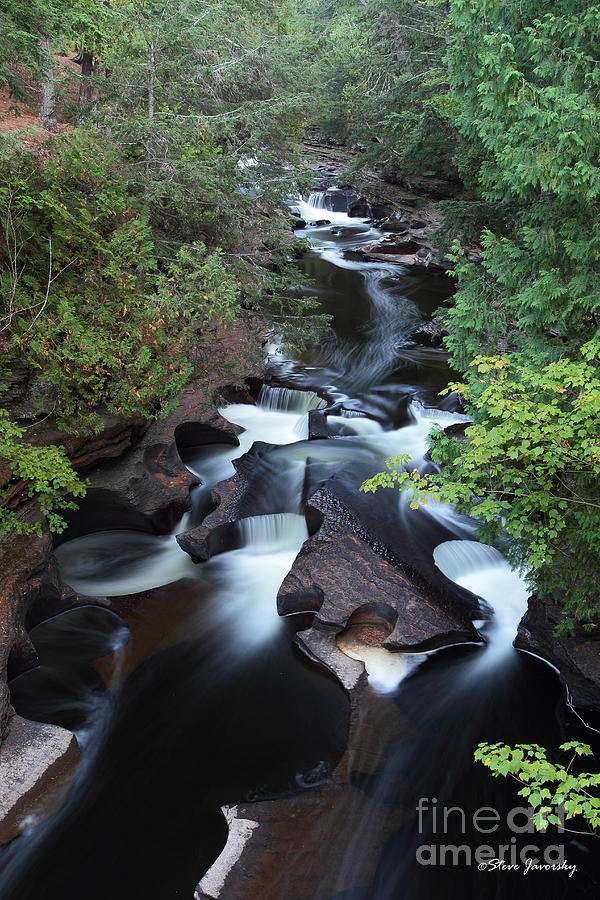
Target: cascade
[{"x": 223, "y": 706}]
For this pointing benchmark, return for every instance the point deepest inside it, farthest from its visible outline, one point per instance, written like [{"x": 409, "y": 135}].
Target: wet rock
[
  {"x": 151, "y": 476},
  {"x": 218, "y": 532},
  {"x": 261, "y": 833},
  {"x": 576, "y": 656},
  {"x": 396, "y": 222},
  {"x": 37, "y": 765},
  {"x": 431, "y": 333},
  {"x": 319, "y": 427},
  {"x": 349, "y": 575},
  {"x": 406, "y": 545},
  {"x": 29, "y": 574},
  {"x": 403, "y": 249},
  {"x": 360, "y": 209},
  {"x": 381, "y": 212},
  {"x": 319, "y": 222},
  {"x": 393, "y": 245},
  {"x": 321, "y": 646}
]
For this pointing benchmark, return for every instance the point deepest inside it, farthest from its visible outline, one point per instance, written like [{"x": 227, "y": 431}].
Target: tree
[
  {"x": 381, "y": 80},
  {"x": 525, "y": 84},
  {"x": 74, "y": 305}
]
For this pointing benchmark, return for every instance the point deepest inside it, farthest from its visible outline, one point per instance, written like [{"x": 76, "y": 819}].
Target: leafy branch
[{"x": 552, "y": 790}]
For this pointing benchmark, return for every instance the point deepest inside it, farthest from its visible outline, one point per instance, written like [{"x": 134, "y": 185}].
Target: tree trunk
[
  {"x": 87, "y": 70},
  {"x": 151, "y": 65},
  {"x": 46, "y": 116},
  {"x": 149, "y": 136}
]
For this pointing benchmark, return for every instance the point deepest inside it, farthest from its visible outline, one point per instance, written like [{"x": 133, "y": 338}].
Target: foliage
[
  {"x": 47, "y": 472},
  {"x": 84, "y": 300},
  {"x": 382, "y": 82},
  {"x": 129, "y": 247},
  {"x": 552, "y": 790},
  {"x": 526, "y": 87}
]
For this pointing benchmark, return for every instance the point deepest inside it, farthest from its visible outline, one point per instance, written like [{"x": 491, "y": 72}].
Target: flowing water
[{"x": 202, "y": 699}]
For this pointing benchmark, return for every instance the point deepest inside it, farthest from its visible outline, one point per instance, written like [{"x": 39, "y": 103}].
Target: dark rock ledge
[
  {"x": 577, "y": 657},
  {"x": 337, "y": 574},
  {"x": 218, "y": 532}
]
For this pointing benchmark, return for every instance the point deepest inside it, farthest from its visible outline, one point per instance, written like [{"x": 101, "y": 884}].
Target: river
[{"x": 205, "y": 700}]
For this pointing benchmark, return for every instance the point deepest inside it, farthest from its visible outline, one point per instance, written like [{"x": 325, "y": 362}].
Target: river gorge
[{"x": 281, "y": 698}]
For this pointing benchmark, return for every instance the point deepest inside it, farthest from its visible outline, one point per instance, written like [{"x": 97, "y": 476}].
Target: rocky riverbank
[{"x": 136, "y": 480}]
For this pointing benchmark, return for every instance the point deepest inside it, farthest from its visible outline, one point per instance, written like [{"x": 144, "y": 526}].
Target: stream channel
[{"x": 209, "y": 701}]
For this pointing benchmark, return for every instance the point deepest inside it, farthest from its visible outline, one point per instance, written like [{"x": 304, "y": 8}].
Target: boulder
[
  {"x": 404, "y": 249},
  {"x": 360, "y": 209},
  {"x": 393, "y": 245},
  {"x": 396, "y": 222}
]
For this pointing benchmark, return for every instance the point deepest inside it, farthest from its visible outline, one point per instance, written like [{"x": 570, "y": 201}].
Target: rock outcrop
[
  {"x": 37, "y": 765},
  {"x": 577, "y": 657},
  {"x": 409, "y": 248},
  {"x": 29, "y": 576},
  {"x": 217, "y": 532},
  {"x": 137, "y": 480},
  {"x": 346, "y": 575},
  {"x": 337, "y": 575}
]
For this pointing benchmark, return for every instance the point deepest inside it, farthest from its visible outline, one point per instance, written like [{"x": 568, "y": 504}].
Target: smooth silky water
[{"x": 201, "y": 698}]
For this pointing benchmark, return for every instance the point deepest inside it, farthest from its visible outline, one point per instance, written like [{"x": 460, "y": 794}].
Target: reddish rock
[
  {"x": 29, "y": 574},
  {"x": 262, "y": 833},
  {"x": 349, "y": 575}
]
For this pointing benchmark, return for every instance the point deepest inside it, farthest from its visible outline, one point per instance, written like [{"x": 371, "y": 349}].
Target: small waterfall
[
  {"x": 288, "y": 400},
  {"x": 248, "y": 580},
  {"x": 319, "y": 200},
  {"x": 484, "y": 571},
  {"x": 329, "y": 205},
  {"x": 459, "y": 558},
  {"x": 274, "y": 533},
  {"x": 443, "y": 416}
]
